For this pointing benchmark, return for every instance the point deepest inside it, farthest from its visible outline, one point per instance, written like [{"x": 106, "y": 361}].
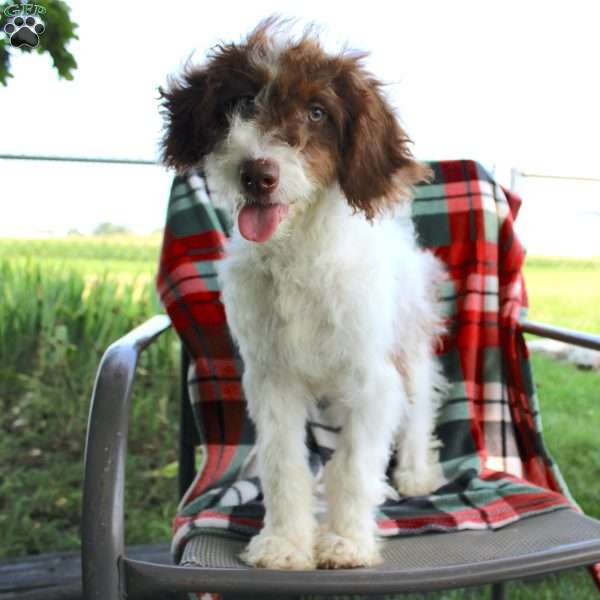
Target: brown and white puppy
[{"x": 325, "y": 289}]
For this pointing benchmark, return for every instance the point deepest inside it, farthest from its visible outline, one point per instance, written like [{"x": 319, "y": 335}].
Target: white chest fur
[{"x": 320, "y": 299}]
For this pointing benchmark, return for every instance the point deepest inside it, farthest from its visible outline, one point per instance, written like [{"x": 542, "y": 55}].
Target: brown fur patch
[
  {"x": 196, "y": 107},
  {"x": 359, "y": 143},
  {"x": 377, "y": 166}
]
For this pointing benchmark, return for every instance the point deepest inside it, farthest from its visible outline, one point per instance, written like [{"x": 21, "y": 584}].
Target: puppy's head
[{"x": 275, "y": 123}]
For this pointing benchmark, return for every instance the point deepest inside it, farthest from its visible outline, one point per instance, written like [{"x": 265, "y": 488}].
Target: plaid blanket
[{"x": 493, "y": 455}]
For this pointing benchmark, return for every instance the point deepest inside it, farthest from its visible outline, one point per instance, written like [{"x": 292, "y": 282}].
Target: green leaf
[
  {"x": 167, "y": 472},
  {"x": 4, "y": 62}
]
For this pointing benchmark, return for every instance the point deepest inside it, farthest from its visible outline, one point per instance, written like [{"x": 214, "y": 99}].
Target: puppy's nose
[{"x": 259, "y": 177}]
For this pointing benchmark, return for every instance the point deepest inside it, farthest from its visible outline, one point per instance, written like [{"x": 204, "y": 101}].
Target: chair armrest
[
  {"x": 577, "y": 338},
  {"x": 105, "y": 454}
]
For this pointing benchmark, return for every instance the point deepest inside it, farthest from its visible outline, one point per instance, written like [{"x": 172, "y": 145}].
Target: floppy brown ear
[
  {"x": 188, "y": 106},
  {"x": 377, "y": 168}
]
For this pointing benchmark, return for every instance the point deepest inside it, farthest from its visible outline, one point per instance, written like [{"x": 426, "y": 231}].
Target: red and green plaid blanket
[{"x": 493, "y": 454}]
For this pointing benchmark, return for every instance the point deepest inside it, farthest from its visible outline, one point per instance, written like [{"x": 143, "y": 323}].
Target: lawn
[
  {"x": 62, "y": 303},
  {"x": 564, "y": 291}
]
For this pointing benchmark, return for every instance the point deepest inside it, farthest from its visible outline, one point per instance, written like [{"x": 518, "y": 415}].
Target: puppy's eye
[
  {"x": 242, "y": 104},
  {"x": 316, "y": 113}
]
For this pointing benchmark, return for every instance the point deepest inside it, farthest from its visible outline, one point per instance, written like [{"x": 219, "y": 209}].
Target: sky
[{"x": 511, "y": 83}]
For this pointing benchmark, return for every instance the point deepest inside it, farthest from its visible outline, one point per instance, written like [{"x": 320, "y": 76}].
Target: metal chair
[{"x": 537, "y": 545}]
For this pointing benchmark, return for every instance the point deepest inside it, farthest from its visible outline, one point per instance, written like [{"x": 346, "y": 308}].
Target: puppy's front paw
[
  {"x": 337, "y": 552},
  {"x": 270, "y": 551}
]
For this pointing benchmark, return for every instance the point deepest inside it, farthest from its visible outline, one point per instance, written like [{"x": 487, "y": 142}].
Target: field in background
[
  {"x": 63, "y": 301},
  {"x": 113, "y": 255},
  {"x": 564, "y": 291}
]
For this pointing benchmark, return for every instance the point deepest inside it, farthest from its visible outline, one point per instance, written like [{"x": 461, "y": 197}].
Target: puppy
[{"x": 326, "y": 293}]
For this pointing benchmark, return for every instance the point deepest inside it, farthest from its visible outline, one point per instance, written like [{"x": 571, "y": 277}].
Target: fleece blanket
[{"x": 493, "y": 455}]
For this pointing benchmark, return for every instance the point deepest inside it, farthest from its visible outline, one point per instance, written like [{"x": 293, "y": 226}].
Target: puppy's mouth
[{"x": 258, "y": 222}]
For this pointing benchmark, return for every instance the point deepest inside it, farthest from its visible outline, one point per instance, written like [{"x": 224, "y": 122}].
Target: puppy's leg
[
  {"x": 354, "y": 477},
  {"x": 418, "y": 470},
  {"x": 279, "y": 413}
]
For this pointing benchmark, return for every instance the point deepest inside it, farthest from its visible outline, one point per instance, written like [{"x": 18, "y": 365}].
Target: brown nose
[{"x": 259, "y": 177}]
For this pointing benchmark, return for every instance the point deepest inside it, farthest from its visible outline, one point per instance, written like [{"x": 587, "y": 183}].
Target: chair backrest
[{"x": 493, "y": 453}]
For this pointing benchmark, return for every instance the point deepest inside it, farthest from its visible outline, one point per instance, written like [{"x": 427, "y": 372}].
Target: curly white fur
[{"x": 332, "y": 306}]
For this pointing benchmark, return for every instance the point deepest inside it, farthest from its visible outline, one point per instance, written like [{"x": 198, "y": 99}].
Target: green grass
[
  {"x": 564, "y": 292},
  {"x": 55, "y": 323},
  {"x": 62, "y": 302},
  {"x": 570, "y": 406}
]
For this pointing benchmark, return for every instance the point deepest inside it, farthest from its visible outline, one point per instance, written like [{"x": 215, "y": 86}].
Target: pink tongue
[{"x": 258, "y": 223}]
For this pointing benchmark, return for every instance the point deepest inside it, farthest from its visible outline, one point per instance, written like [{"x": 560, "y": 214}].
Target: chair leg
[{"x": 499, "y": 591}]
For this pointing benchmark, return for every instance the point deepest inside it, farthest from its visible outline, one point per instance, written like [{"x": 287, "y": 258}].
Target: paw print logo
[{"x": 24, "y": 31}]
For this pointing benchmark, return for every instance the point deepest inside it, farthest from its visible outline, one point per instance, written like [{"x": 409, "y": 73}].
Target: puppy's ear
[
  {"x": 377, "y": 168},
  {"x": 188, "y": 106}
]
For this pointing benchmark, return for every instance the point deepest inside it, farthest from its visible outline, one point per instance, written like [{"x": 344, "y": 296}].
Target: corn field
[{"x": 62, "y": 303}]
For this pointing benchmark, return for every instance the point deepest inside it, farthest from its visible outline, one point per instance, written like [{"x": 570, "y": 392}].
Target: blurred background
[{"x": 512, "y": 84}]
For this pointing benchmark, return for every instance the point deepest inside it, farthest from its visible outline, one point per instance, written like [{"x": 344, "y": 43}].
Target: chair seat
[
  {"x": 434, "y": 550},
  {"x": 536, "y": 545}
]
